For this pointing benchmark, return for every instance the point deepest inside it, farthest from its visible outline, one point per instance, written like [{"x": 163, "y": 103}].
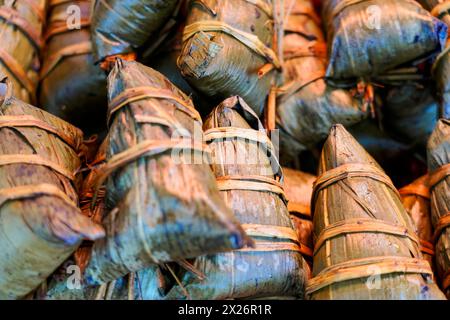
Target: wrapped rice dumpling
[
  {"x": 410, "y": 113},
  {"x": 441, "y": 67},
  {"x": 298, "y": 187},
  {"x": 162, "y": 201},
  {"x": 40, "y": 222},
  {"x": 123, "y": 26},
  {"x": 365, "y": 243},
  {"x": 250, "y": 180},
  {"x": 439, "y": 166},
  {"x": 416, "y": 200},
  {"x": 306, "y": 106},
  {"x": 229, "y": 48},
  {"x": 21, "y": 24},
  {"x": 71, "y": 87},
  {"x": 367, "y": 38}
]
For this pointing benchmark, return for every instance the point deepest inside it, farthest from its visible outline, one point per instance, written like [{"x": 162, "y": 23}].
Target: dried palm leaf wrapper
[
  {"x": 439, "y": 166},
  {"x": 365, "y": 243},
  {"x": 230, "y": 48},
  {"x": 124, "y": 26},
  {"x": 250, "y": 180},
  {"x": 298, "y": 186},
  {"x": 21, "y": 24},
  {"x": 416, "y": 200},
  {"x": 441, "y": 67},
  {"x": 40, "y": 222},
  {"x": 410, "y": 112},
  {"x": 307, "y": 106},
  {"x": 369, "y": 37},
  {"x": 71, "y": 86},
  {"x": 164, "y": 202}
]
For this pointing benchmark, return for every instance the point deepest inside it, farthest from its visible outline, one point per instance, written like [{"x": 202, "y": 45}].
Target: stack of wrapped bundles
[
  {"x": 441, "y": 67},
  {"x": 123, "y": 27},
  {"x": 410, "y": 113},
  {"x": 250, "y": 180},
  {"x": 306, "y": 106},
  {"x": 162, "y": 200},
  {"x": 21, "y": 25},
  {"x": 40, "y": 222},
  {"x": 298, "y": 187},
  {"x": 368, "y": 38},
  {"x": 230, "y": 47},
  {"x": 365, "y": 244},
  {"x": 71, "y": 87},
  {"x": 416, "y": 200},
  {"x": 439, "y": 166}
]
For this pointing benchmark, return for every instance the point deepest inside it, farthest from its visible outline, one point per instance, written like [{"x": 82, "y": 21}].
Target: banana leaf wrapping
[
  {"x": 365, "y": 243},
  {"x": 40, "y": 222},
  {"x": 441, "y": 67},
  {"x": 163, "y": 201},
  {"x": 124, "y": 26},
  {"x": 307, "y": 106},
  {"x": 439, "y": 166},
  {"x": 249, "y": 178},
  {"x": 369, "y": 37},
  {"x": 21, "y": 24},
  {"x": 298, "y": 187},
  {"x": 410, "y": 113},
  {"x": 71, "y": 86},
  {"x": 229, "y": 48},
  {"x": 416, "y": 200}
]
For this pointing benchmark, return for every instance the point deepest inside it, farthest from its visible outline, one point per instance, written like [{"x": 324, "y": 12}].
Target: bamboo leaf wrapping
[
  {"x": 438, "y": 157},
  {"x": 40, "y": 223},
  {"x": 254, "y": 272},
  {"x": 163, "y": 208},
  {"x": 220, "y": 63},
  {"x": 410, "y": 113},
  {"x": 369, "y": 37},
  {"x": 416, "y": 200},
  {"x": 71, "y": 86},
  {"x": 120, "y": 26},
  {"x": 365, "y": 242}
]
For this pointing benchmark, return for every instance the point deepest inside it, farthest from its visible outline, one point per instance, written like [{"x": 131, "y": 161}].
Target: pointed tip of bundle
[{"x": 341, "y": 148}]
